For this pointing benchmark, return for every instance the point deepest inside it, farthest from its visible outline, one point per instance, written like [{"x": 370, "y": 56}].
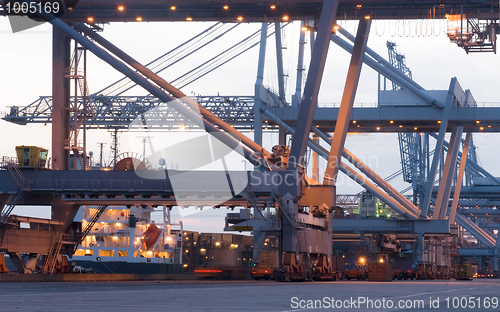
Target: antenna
[
  {"x": 145, "y": 139},
  {"x": 101, "y": 146}
]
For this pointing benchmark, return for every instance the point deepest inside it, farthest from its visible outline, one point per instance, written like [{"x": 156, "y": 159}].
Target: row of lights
[
  {"x": 121, "y": 8},
  {"x": 416, "y": 128}
]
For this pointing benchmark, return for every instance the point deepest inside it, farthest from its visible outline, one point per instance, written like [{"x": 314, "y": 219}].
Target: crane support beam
[
  {"x": 345, "y": 111},
  {"x": 208, "y": 115},
  {"x": 460, "y": 176},
  {"x": 300, "y": 67},
  {"x": 349, "y": 171},
  {"x": 450, "y": 164},
  {"x": 382, "y": 60},
  {"x": 61, "y": 55},
  {"x": 402, "y": 200},
  {"x": 389, "y": 72},
  {"x": 257, "y": 136},
  {"x": 227, "y": 140},
  {"x": 424, "y": 208},
  {"x": 313, "y": 82},
  {"x": 105, "y": 11},
  {"x": 473, "y": 164},
  {"x": 279, "y": 60}
]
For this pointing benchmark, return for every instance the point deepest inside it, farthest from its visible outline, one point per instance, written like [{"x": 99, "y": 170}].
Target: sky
[{"x": 25, "y": 75}]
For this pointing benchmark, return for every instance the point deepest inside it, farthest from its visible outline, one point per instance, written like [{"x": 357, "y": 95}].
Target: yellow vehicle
[
  {"x": 31, "y": 156},
  {"x": 465, "y": 271}
]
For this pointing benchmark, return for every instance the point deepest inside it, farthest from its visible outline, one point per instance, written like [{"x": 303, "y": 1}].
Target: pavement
[{"x": 181, "y": 296}]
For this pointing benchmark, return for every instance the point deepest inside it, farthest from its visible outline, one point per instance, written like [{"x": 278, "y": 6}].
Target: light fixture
[
  {"x": 273, "y": 7},
  {"x": 226, "y": 7},
  {"x": 481, "y": 128},
  {"x": 401, "y": 126},
  {"x": 90, "y": 19},
  {"x": 392, "y": 121},
  {"x": 415, "y": 128},
  {"x": 285, "y": 17},
  {"x": 317, "y": 126},
  {"x": 378, "y": 128},
  {"x": 173, "y": 8},
  {"x": 121, "y": 8},
  {"x": 189, "y": 19},
  {"x": 477, "y": 121},
  {"x": 304, "y": 28},
  {"x": 139, "y": 19},
  {"x": 335, "y": 27},
  {"x": 439, "y": 121},
  {"x": 354, "y": 121},
  {"x": 240, "y": 18},
  {"x": 232, "y": 125},
  {"x": 367, "y": 17},
  {"x": 358, "y": 6}
]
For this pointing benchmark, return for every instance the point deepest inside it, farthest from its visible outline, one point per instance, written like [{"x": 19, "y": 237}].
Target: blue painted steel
[
  {"x": 424, "y": 206},
  {"x": 257, "y": 122},
  {"x": 313, "y": 82}
]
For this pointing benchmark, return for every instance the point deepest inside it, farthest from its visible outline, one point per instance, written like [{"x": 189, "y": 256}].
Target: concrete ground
[{"x": 183, "y": 296}]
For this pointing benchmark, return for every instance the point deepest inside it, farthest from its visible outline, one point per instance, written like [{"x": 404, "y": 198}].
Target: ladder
[
  {"x": 91, "y": 223},
  {"x": 51, "y": 260},
  {"x": 16, "y": 173},
  {"x": 6, "y": 211}
]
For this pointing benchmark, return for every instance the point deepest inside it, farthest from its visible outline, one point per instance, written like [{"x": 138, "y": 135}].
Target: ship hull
[{"x": 122, "y": 267}]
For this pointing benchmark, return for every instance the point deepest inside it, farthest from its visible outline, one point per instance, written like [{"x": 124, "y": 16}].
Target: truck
[
  {"x": 465, "y": 271},
  {"x": 356, "y": 270}
]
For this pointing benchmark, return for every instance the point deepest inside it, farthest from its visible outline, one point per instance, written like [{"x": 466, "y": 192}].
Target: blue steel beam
[
  {"x": 424, "y": 206},
  {"x": 377, "y": 57},
  {"x": 475, "y": 165},
  {"x": 404, "y": 118},
  {"x": 279, "y": 60},
  {"x": 390, "y": 72},
  {"x": 449, "y": 169},
  {"x": 313, "y": 82},
  {"x": 120, "y": 111},
  {"x": 460, "y": 175},
  {"x": 348, "y": 96},
  {"x": 257, "y": 137},
  {"x": 201, "y": 10},
  {"x": 352, "y": 174}
]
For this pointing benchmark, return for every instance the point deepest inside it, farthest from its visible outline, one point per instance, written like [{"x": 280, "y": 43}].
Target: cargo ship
[{"x": 126, "y": 240}]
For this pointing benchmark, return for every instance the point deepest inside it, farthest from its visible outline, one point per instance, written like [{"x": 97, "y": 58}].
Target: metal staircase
[
  {"x": 90, "y": 224},
  {"x": 59, "y": 240},
  {"x": 16, "y": 173},
  {"x": 7, "y": 209},
  {"x": 51, "y": 258}
]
